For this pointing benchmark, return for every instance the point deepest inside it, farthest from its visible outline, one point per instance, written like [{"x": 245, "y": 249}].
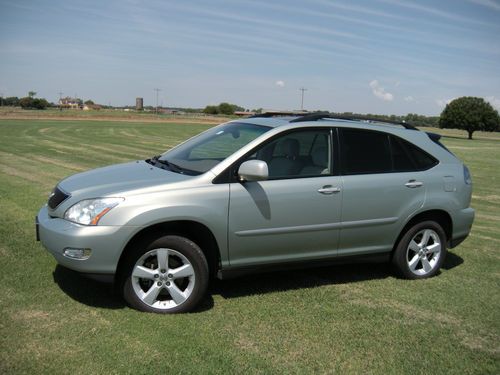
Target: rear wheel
[
  {"x": 168, "y": 275},
  {"x": 421, "y": 251}
]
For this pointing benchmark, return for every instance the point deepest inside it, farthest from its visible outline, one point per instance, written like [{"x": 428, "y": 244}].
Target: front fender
[{"x": 207, "y": 205}]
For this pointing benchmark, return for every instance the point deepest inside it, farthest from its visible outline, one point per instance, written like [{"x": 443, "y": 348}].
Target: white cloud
[
  {"x": 495, "y": 102},
  {"x": 443, "y": 102},
  {"x": 280, "y": 83},
  {"x": 487, "y": 3},
  {"x": 409, "y": 99},
  {"x": 380, "y": 92},
  {"x": 416, "y": 6}
]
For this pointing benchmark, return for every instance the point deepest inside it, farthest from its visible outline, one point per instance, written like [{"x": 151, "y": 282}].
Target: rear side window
[
  {"x": 364, "y": 151},
  {"x": 368, "y": 151}
]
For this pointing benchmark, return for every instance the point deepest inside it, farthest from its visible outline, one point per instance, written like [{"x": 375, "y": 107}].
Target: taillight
[{"x": 467, "y": 176}]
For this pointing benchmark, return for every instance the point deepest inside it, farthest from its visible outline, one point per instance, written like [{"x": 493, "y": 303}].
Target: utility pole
[
  {"x": 157, "y": 91},
  {"x": 302, "y": 101},
  {"x": 60, "y": 100}
]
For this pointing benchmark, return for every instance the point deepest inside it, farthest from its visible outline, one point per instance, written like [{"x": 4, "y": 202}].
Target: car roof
[
  {"x": 425, "y": 141},
  {"x": 319, "y": 119}
]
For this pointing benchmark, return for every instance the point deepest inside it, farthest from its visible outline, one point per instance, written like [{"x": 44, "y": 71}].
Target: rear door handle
[
  {"x": 414, "y": 184},
  {"x": 328, "y": 189}
]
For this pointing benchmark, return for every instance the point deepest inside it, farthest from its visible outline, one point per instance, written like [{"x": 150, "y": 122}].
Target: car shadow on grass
[
  {"x": 452, "y": 260},
  {"x": 299, "y": 279},
  {"x": 100, "y": 294},
  {"x": 87, "y": 291},
  {"x": 103, "y": 295},
  {"x": 311, "y": 278}
]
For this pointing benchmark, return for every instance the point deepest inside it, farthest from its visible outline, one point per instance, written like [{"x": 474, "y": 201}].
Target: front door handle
[
  {"x": 414, "y": 184},
  {"x": 328, "y": 189}
]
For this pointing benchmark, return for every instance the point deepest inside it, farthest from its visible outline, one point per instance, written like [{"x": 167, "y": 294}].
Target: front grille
[{"x": 57, "y": 197}]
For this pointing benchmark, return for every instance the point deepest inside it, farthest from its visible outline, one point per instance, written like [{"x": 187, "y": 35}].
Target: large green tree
[
  {"x": 222, "y": 109},
  {"x": 211, "y": 110},
  {"x": 470, "y": 114},
  {"x": 226, "y": 109}
]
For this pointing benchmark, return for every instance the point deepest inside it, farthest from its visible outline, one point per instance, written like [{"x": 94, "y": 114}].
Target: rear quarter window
[
  {"x": 403, "y": 151},
  {"x": 407, "y": 157}
]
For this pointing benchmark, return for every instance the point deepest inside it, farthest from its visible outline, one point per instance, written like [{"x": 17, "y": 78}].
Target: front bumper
[{"x": 106, "y": 242}]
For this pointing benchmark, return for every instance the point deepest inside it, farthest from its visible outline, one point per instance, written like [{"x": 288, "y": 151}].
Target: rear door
[{"x": 382, "y": 187}]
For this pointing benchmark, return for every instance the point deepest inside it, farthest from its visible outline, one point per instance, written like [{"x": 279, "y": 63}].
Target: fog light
[{"x": 80, "y": 254}]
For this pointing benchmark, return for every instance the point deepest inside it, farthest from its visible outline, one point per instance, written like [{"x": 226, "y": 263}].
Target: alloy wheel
[
  {"x": 163, "y": 278},
  {"x": 423, "y": 252}
]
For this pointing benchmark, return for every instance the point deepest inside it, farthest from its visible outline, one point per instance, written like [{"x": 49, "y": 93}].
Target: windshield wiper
[
  {"x": 171, "y": 166},
  {"x": 152, "y": 160}
]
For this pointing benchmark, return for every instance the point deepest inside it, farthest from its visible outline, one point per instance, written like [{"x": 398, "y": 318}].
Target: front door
[{"x": 295, "y": 214}]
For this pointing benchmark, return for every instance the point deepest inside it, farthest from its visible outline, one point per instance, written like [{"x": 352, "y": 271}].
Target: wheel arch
[
  {"x": 200, "y": 234},
  {"x": 441, "y": 217}
]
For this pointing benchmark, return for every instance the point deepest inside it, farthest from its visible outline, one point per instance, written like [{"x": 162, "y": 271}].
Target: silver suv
[{"x": 258, "y": 193}]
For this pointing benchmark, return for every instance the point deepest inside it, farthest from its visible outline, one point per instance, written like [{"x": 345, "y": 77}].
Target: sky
[{"x": 377, "y": 56}]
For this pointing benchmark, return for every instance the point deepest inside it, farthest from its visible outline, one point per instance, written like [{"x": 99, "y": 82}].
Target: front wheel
[
  {"x": 168, "y": 275},
  {"x": 421, "y": 251}
]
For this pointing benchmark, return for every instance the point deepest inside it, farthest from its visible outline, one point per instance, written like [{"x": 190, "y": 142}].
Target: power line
[{"x": 302, "y": 101}]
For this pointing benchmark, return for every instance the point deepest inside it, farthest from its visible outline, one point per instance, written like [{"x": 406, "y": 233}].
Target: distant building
[
  {"x": 90, "y": 107},
  {"x": 68, "y": 102},
  {"x": 139, "y": 104}
]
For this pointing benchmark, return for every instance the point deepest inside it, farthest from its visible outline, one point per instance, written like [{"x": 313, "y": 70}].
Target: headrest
[
  {"x": 291, "y": 147},
  {"x": 320, "y": 157}
]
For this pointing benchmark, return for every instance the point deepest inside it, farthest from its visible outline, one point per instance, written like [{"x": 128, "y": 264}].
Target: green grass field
[{"x": 343, "y": 319}]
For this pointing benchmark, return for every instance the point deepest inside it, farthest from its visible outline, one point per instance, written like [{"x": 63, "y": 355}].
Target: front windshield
[{"x": 205, "y": 151}]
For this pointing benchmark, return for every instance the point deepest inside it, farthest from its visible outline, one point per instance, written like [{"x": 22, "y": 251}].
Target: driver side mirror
[{"x": 253, "y": 170}]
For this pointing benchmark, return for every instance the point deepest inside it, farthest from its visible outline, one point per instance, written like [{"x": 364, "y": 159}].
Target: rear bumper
[
  {"x": 462, "y": 224},
  {"x": 105, "y": 242},
  {"x": 454, "y": 242}
]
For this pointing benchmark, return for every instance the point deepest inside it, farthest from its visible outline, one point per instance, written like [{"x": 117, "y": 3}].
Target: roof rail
[
  {"x": 323, "y": 115},
  {"x": 278, "y": 114}
]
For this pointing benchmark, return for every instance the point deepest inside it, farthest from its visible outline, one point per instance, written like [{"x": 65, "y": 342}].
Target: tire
[
  {"x": 167, "y": 275},
  {"x": 421, "y": 251}
]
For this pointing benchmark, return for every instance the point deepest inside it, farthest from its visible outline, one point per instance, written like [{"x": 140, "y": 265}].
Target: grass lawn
[{"x": 343, "y": 319}]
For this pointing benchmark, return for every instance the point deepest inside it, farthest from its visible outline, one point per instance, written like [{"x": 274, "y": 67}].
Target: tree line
[
  {"x": 27, "y": 102},
  {"x": 466, "y": 113},
  {"x": 410, "y": 118}
]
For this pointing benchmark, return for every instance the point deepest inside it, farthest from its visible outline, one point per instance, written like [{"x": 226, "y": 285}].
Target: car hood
[{"x": 118, "y": 178}]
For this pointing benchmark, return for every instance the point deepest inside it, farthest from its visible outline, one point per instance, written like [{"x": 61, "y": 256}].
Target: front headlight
[{"x": 90, "y": 211}]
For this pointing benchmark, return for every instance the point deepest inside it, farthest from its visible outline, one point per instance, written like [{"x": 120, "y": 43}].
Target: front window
[
  {"x": 205, "y": 151},
  {"x": 298, "y": 154}
]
